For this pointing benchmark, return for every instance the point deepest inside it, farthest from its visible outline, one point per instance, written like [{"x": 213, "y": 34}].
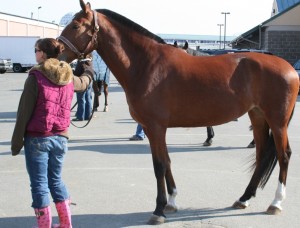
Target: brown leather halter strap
[
  {"x": 93, "y": 42},
  {"x": 81, "y": 55}
]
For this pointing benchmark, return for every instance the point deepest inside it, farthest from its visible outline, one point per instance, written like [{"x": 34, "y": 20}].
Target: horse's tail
[{"x": 269, "y": 160}]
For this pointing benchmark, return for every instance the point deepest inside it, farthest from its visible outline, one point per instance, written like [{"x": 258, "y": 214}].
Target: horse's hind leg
[
  {"x": 279, "y": 124},
  {"x": 283, "y": 155},
  {"x": 105, "y": 91},
  {"x": 261, "y": 136}
]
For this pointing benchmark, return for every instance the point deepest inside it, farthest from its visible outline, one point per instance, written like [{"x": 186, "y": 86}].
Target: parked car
[
  {"x": 297, "y": 68},
  {"x": 229, "y": 51},
  {"x": 5, "y": 64}
]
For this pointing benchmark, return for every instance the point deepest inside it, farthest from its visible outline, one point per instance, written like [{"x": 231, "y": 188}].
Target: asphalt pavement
[{"x": 111, "y": 179}]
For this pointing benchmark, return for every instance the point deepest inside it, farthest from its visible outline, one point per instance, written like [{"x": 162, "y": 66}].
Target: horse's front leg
[
  {"x": 210, "y": 135},
  {"x": 172, "y": 191},
  {"x": 161, "y": 164}
]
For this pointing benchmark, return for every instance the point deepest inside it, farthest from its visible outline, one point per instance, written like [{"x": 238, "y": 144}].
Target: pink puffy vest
[{"x": 53, "y": 108}]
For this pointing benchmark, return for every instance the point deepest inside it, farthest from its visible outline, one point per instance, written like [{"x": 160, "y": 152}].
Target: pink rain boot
[
  {"x": 64, "y": 214},
  {"x": 43, "y": 217}
]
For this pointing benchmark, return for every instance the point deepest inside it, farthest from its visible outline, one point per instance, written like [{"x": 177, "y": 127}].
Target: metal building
[
  {"x": 280, "y": 34},
  {"x": 13, "y": 25}
]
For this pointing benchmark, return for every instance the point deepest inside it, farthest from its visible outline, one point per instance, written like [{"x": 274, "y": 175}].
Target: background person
[
  {"x": 139, "y": 134},
  {"x": 84, "y": 99}
]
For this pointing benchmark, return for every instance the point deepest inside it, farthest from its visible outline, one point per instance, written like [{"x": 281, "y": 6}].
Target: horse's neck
[{"x": 117, "y": 45}]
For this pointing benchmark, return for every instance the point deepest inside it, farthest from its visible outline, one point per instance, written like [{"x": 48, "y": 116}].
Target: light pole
[
  {"x": 39, "y": 13},
  {"x": 225, "y": 27},
  {"x": 220, "y": 25}
]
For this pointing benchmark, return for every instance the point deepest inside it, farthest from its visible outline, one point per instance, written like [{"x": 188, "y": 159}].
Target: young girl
[{"x": 42, "y": 123}]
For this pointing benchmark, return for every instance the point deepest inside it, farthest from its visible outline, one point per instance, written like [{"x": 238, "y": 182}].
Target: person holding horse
[
  {"x": 102, "y": 76},
  {"x": 42, "y": 123},
  {"x": 84, "y": 99}
]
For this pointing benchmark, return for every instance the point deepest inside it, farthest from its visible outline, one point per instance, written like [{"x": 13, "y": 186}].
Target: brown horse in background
[
  {"x": 215, "y": 90},
  {"x": 185, "y": 47}
]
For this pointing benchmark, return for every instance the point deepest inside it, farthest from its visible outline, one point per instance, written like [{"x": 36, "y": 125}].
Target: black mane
[{"x": 130, "y": 24}]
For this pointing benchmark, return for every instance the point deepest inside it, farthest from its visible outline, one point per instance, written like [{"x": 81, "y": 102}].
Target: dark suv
[
  {"x": 229, "y": 51},
  {"x": 297, "y": 68}
]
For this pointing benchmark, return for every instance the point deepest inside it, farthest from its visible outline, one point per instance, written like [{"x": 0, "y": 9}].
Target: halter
[{"x": 93, "y": 41}]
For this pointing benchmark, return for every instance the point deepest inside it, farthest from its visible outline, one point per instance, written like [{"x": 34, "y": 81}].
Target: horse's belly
[{"x": 207, "y": 115}]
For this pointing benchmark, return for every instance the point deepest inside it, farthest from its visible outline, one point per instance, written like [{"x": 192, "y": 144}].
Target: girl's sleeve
[{"x": 26, "y": 107}]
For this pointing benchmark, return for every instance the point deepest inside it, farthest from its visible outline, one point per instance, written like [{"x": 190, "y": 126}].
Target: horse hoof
[
  {"x": 105, "y": 109},
  {"x": 240, "y": 205},
  {"x": 170, "y": 208},
  {"x": 156, "y": 220},
  {"x": 207, "y": 142},
  {"x": 251, "y": 145},
  {"x": 272, "y": 210}
]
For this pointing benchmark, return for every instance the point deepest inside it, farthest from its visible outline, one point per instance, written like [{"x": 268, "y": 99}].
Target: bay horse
[
  {"x": 215, "y": 90},
  {"x": 102, "y": 78},
  {"x": 100, "y": 84}
]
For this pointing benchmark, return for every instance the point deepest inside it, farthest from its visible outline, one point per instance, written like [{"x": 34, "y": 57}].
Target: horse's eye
[{"x": 75, "y": 26}]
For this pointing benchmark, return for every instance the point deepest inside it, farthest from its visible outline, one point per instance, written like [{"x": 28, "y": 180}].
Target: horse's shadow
[
  {"x": 114, "y": 147},
  {"x": 134, "y": 148},
  {"x": 132, "y": 219},
  {"x": 202, "y": 214},
  {"x": 7, "y": 117},
  {"x": 115, "y": 89}
]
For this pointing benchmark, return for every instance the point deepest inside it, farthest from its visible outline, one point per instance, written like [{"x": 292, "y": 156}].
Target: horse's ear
[
  {"x": 186, "y": 45},
  {"x": 88, "y": 5},
  {"x": 175, "y": 44},
  {"x": 85, "y": 7},
  {"x": 82, "y": 5}
]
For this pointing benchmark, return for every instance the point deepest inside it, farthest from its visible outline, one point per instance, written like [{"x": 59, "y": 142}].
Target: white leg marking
[
  {"x": 279, "y": 195},
  {"x": 246, "y": 203},
  {"x": 171, "y": 200}
]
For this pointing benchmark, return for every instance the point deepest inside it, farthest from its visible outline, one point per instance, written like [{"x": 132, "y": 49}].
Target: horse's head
[
  {"x": 183, "y": 48},
  {"x": 80, "y": 35}
]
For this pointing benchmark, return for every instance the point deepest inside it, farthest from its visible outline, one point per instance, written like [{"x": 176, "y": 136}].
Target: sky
[{"x": 193, "y": 17}]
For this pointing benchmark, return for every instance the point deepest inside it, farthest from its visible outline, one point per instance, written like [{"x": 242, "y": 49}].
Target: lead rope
[
  {"x": 89, "y": 120},
  {"x": 91, "y": 116}
]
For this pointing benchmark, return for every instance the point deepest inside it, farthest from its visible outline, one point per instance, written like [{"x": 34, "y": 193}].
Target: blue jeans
[
  {"x": 139, "y": 131},
  {"x": 44, "y": 160},
  {"x": 84, "y": 102}
]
